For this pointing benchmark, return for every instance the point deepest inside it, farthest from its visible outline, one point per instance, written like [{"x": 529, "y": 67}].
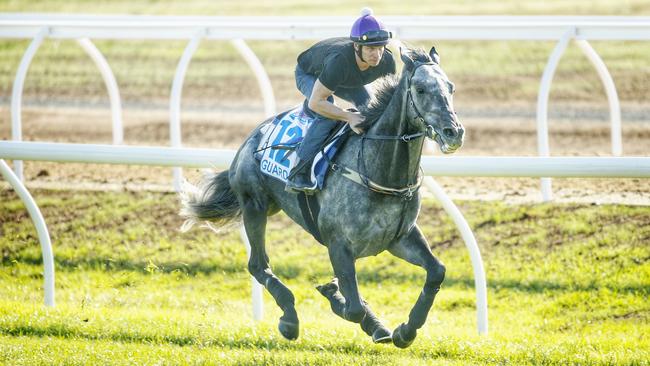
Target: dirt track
[{"x": 495, "y": 134}]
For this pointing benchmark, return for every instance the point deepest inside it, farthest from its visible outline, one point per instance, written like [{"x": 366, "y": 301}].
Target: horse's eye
[{"x": 419, "y": 90}]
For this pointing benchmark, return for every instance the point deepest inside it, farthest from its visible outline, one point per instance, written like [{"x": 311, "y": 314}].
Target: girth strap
[{"x": 310, "y": 209}]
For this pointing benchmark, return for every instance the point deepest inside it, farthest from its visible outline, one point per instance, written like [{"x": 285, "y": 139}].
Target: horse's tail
[{"x": 213, "y": 201}]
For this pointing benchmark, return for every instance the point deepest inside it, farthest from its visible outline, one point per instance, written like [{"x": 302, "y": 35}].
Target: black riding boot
[{"x": 300, "y": 178}]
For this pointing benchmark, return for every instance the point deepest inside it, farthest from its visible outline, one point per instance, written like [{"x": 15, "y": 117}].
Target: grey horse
[{"x": 369, "y": 203}]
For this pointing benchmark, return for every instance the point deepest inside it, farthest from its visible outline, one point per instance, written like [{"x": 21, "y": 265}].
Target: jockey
[{"x": 338, "y": 66}]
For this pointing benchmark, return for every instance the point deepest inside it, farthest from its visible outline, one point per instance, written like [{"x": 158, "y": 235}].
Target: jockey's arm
[{"x": 318, "y": 103}]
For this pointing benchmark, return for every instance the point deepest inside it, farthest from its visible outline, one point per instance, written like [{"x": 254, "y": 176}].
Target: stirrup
[
  {"x": 300, "y": 182},
  {"x": 293, "y": 187}
]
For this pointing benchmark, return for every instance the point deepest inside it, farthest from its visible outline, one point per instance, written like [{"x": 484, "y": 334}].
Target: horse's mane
[
  {"x": 383, "y": 93},
  {"x": 385, "y": 89}
]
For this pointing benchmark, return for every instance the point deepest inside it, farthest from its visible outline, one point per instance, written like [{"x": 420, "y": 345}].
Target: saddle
[{"x": 282, "y": 136}]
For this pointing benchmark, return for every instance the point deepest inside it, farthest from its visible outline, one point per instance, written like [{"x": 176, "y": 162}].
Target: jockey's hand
[{"x": 354, "y": 120}]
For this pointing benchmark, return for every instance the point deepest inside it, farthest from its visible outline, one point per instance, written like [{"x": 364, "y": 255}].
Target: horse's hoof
[
  {"x": 329, "y": 289},
  {"x": 401, "y": 340},
  {"x": 382, "y": 335},
  {"x": 373, "y": 327},
  {"x": 289, "y": 330}
]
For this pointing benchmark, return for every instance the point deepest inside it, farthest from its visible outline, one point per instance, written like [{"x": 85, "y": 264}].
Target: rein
[{"x": 406, "y": 193}]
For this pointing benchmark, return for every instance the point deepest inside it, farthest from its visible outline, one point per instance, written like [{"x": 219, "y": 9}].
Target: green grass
[
  {"x": 482, "y": 70},
  {"x": 567, "y": 284}
]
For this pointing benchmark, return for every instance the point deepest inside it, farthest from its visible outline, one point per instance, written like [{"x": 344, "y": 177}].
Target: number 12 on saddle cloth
[{"x": 282, "y": 136}]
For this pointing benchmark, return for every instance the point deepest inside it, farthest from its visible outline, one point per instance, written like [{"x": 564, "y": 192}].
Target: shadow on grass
[
  {"x": 143, "y": 267},
  {"x": 206, "y": 267},
  {"x": 542, "y": 286},
  {"x": 224, "y": 340},
  {"x": 291, "y": 271}
]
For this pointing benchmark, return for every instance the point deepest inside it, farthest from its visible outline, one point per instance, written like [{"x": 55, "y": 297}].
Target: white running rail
[
  {"x": 111, "y": 86},
  {"x": 41, "y": 229},
  {"x": 239, "y": 29}
]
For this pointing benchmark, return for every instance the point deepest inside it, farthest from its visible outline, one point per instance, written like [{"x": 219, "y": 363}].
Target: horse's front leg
[
  {"x": 258, "y": 266},
  {"x": 414, "y": 249},
  {"x": 343, "y": 265}
]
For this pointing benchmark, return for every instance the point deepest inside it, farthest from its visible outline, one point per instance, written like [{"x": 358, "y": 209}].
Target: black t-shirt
[{"x": 333, "y": 62}]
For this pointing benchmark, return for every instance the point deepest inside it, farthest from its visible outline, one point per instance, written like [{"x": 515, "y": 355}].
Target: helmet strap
[{"x": 359, "y": 52}]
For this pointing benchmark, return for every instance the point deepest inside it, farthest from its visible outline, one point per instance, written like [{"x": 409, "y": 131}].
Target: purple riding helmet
[{"x": 368, "y": 31}]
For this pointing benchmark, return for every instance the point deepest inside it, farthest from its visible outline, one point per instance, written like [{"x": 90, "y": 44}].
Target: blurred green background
[{"x": 507, "y": 72}]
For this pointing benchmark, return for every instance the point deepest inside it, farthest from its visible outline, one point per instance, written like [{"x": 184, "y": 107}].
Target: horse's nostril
[{"x": 449, "y": 132}]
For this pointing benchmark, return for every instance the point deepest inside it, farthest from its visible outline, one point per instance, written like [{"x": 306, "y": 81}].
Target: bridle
[
  {"x": 429, "y": 132},
  {"x": 413, "y": 183},
  {"x": 408, "y": 98}
]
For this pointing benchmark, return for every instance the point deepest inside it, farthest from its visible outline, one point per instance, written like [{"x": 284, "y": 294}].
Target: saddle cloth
[{"x": 280, "y": 140}]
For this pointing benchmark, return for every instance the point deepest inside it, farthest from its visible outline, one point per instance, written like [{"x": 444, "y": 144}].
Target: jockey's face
[{"x": 372, "y": 54}]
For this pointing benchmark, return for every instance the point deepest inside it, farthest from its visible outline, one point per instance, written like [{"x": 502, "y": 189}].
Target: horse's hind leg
[
  {"x": 370, "y": 324},
  {"x": 258, "y": 266},
  {"x": 414, "y": 249}
]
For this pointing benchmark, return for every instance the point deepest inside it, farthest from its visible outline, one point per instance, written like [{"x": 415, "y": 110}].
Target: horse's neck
[{"x": 393, "y": 162}]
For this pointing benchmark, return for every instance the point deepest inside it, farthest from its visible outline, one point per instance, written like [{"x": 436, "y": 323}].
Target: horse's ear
[
  {"x": 406, "y": 59},
  {"x": 434, "y": 55}
]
